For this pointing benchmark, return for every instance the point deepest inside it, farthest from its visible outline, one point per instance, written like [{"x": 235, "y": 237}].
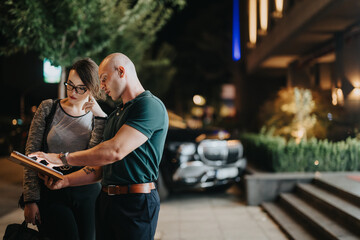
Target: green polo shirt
[{"x": 147, "y": 114}]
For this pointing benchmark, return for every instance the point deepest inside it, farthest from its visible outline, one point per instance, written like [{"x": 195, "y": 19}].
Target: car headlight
[{"x": 187, "y": 149}]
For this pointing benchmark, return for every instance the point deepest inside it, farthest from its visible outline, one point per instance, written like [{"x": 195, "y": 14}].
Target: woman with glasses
[{"x": 66, "y": 125}]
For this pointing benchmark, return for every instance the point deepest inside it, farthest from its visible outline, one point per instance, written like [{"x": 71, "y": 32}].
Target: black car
[{"x": 199, "y": 159}]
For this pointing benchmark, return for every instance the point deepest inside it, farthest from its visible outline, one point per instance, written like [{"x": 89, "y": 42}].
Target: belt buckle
[{"x": 108, "y": 190}]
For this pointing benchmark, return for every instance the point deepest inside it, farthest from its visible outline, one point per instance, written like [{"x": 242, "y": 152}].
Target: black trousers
[
  {"x": 69, "y": 213},
  {"x": 127, "y": 216}
]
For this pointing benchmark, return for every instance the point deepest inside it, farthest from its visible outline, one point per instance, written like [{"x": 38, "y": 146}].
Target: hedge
[{"x": 274, "y": 153}]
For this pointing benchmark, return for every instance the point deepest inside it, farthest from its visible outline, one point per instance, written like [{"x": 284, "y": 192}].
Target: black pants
[
  {"x": 127, "y": 216},
  {"x": 69, "y": 213}
]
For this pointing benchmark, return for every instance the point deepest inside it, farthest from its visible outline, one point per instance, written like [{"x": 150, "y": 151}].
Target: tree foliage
[
  {"x": 64, "y": 30},
  {"x": 158, "y": 70},
  {"x": 67, "y": 29},
  {"x": 58, "y": 30}
]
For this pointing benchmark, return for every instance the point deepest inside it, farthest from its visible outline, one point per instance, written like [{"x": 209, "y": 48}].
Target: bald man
[{"x": 134, "y": 136}]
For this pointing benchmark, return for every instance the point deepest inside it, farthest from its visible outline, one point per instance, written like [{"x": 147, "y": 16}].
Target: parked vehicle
[{"x": 199, "y": 159}]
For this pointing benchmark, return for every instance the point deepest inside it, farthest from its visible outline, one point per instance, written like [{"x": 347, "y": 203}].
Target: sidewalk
[
  {"x": 216, "y": 216},
  {"x": 200, "y": 216},
  {"x": 10, "y": 185},
  {"x": 184, "y": 216}
]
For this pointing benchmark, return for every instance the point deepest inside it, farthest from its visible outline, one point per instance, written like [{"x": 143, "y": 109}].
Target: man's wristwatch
[{"x": 63, "y": 158}]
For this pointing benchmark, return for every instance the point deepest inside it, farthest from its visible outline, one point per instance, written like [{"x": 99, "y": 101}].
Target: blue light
[{"x": 236, "y": 32}]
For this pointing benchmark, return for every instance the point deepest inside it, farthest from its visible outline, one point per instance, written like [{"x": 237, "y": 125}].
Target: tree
[
  {"x": 298, "y": 113},
  {"x": 64, "y": 30},
  {"x": 157, "y": 69}
]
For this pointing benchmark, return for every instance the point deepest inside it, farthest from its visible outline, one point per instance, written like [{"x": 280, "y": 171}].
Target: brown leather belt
[{"x": 132, "y": 188}]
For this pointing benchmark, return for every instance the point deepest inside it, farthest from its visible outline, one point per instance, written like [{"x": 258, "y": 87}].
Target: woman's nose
[{"x": 73, "y": 91}]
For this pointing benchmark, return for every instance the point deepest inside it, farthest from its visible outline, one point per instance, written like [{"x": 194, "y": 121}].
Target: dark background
[{"x": 201, "y": 35}]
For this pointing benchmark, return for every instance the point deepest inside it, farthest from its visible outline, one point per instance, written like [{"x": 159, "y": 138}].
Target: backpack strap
[{"x": 48, "y": 120}]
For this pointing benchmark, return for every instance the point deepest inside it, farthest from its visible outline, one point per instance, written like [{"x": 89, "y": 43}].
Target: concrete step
[
  {"x": 291, "y": 227},
  {"x": 341, "y": 186},
  {"x": 344, "y": 211},
  {"x": 320, "y": 222}
]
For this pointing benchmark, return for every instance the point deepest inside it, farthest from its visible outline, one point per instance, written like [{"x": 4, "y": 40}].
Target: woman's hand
[
  {"x": 93, "y": 106},
  {"x": 32, "y": 213},
  {"x": 53, "y": 184},
  {"x": 52, "y": 158}
]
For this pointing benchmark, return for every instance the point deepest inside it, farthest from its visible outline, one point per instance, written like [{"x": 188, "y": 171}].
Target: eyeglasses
[{"x": 79, "y": 90}]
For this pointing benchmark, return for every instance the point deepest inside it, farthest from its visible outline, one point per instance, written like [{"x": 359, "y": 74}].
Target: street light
[{"x": 199, "y": 100}]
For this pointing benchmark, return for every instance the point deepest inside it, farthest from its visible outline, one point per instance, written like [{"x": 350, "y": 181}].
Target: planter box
[{"x": 262, "y": 187}]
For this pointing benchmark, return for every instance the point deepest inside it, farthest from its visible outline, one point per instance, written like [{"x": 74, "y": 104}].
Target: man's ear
[{"x": 121, "y": 71}]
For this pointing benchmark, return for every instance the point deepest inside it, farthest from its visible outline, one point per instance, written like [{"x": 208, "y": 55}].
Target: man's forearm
[
  {"x": 124, "y": 142},
  {"x": 99, "y": 155}
]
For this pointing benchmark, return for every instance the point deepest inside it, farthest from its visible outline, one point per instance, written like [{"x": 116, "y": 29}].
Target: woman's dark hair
[{"x": 88, "y": 70}]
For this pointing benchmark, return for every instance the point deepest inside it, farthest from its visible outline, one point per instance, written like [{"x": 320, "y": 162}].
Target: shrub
[{"x": 275, "y": 153}]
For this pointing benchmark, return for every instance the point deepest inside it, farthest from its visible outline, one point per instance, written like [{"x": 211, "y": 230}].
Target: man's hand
[
  {"x": 53, "y": 184},
  {"x": 52, "y": 158}
]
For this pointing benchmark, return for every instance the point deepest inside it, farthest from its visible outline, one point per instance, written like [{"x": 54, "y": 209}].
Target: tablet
[{"x": 26, "y": 161}]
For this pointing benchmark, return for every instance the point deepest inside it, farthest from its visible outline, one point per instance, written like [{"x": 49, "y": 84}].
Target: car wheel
[{"x": 162, "y": 189}]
